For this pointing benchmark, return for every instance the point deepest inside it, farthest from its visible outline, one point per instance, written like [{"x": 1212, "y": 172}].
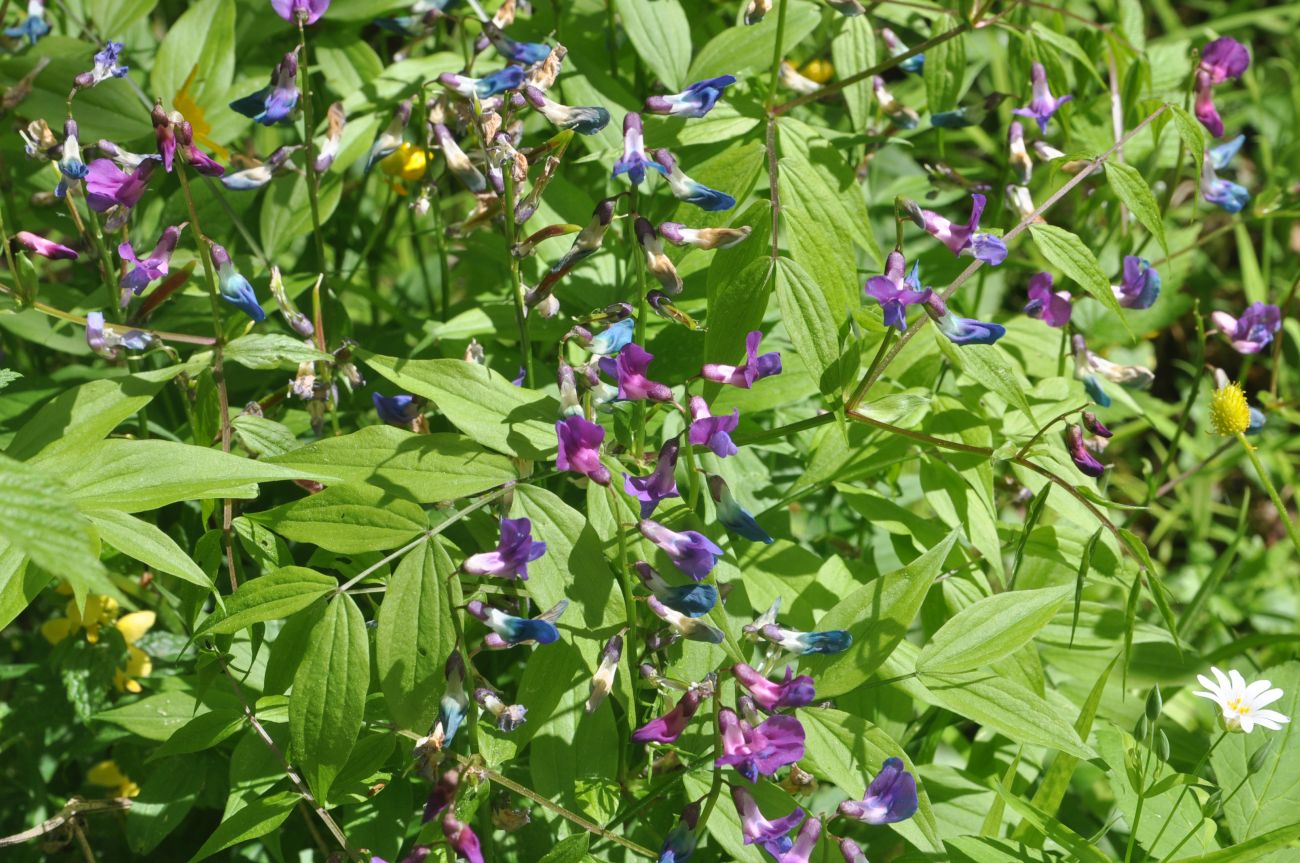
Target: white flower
[{"x": 1242, "y": 705}]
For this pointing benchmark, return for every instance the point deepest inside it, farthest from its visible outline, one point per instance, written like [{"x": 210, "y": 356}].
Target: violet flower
[
  {"x": 579, "y": 448},
  {"x": 235, "y": 289},
  {"x": 659, "y": 484},
  {"x": 106, "y": 66},
  {"x": 692, "y": 600},
  {"x": 200, "y": 161},
  {"x": 712, "y": 431},
  {"x": 695, "y": 101},
  {"x": 399, "y": 410},
  {"x": 629, "y": 370},
  {"x": 1254, "y": 330},
  {"x": 300, "y": 11},
  {"x": 276, "y": 101},
  {"x": 732, "y": 515},
  {"x": 690, "y": 551},
  {"x": 634, "y": 161},
  {"x": 1051, "y": 308},
  {"x": 151, "y": 268},
  {"x": 107, "y": 186},
  {"x": 1082, "y": 457},
  {"x": 761, "y": 749},
  {"x": 516, "y": 630},
  {"x": 1042, "y": 106},
  {"x": 1222, "y": 59},
  {"x": 667, "y": 728},
  {"x": 460, "y": 838},
  {"x": 772, "y": 696},
  {"x": 773, "y": 836},
  {"x": 1095, "y": 426},
  {"x": 962, "y": 331},
  {"x": 1141, "y": 284},
  {"x": 852, "y": 852},
  {"x": 583, "y": 120},
  {"x": 962, "y": 238},
  {"x": 108, "y": 341},
  {"x": 38, "y": 245},
  {"x": 895, "y": 292},
  {"x": 890, "y": 798},
  {"x": 688, "y": 190},
  {"x": 513, "y": 553},
  {"x": 805, "y": 844},
  {"x": 754, "y": 368}
]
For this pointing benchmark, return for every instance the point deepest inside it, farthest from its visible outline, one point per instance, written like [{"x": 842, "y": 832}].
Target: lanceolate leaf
[
  {"x": 1133, "y": 190},
  {"x": 273, "y": 596},
  {"x": 990, "y": 629},
  {"x": 1068, "y": 253}
]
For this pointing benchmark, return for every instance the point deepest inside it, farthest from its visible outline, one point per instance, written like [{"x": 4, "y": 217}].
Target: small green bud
[
  {"x": 1162, "y": 745},
  {"x": 1260, "y": 756},
  {"x": 1140, "y": 730},
  {"x": 1154, "y": 703},
  {"x": 1211, "y": 805}
]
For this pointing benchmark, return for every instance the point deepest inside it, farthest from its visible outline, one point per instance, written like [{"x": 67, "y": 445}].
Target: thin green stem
[
  {"x": 1272, "y": 492},
  {"x": 309, "y": 139},
  {"x": 512, "y": 237},
  {"x": 1190, "y": 833},
  {"x": 778, "y": 53},
  {"x": 1205, "y": 757},
  {"x": 629, "y": 607},
  {"x": 865, "y": 384}
]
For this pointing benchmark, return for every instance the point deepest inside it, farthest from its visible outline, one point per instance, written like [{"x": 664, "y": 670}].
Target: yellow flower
[
  {"x": 99, "y": 610},
  {"x": 106, "y": 774},
  {"x": 195, "y": 116},
  {"x": 103, "y": 611},
  {"x": 1229, "y": 412},
  {"x": 406, "y": 162},
  {"x": 820, "y": 71},
  {"x": 133, "y": 626}
]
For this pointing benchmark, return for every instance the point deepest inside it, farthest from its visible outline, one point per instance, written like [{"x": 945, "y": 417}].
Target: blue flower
[
  {"x": 733, "y": 516},
  {"x": 913, "y": 65},
  {"x": 690, "y": 551},
  {"x": 453, "y": 704},
  {"x": 686, "y": 189},
  {"x": 33, "y": 26},
  {"x": 521, "y": 52},
  {"x": 962, "y": 331},
  {"x": 695, "y": 101},
  {"x": 615, "y": 337},
  {"x": 1141, "y": 284},
  {"x": 679, "y": 844},
  {"x": 71, "y": 168},
  {"x": 804, "y": 643},
  {"x": 890, "y": 798},
  {"x": 634, "y": 160},
  {"x": 398, "y": 410},
  {"x": 489, "y": 85},
  {"x": 235, "y": 289},
  {"x": 276, "y": 101},
  {"x": 693, "y": 600},
  {"x": 517, "y": 630},
  {"x": 1221, "y": 155},
  {"x": 1231, "y": 196}
]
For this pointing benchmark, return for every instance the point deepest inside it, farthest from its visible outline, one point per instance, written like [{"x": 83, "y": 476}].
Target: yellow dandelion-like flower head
[{"x": 1229, "y": 412}]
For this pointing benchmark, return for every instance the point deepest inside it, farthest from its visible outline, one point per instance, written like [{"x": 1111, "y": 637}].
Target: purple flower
[
  {"x": 962, "y": 331},
  {"x": 634, "y": 161},
  {"x": 305, "y": 11},
  {"x": 200, "y": 161},
  {"x": 1222, "y": 59},
  {"x": 695, "y": 101},
  {"x": 755, "y": 367},
  {"x": 1094, "y": 425},
  {"x": 45, "y": 248},
  {"x": 688, "y": 190},
  {"x": 398, "y": 410},
  {"x": 442, "y": 795},
  {"x": 693, "y": 600},
  {"x": 107, "y": 186},
  {"x": 852, "y": 853},
  {"x": 679, "y": 844},
  {"x": 962, "y": 238},
  {"x": 579, "y": 448},
  {"x": 712, "y": 431},
  {"x": 235, "y": 289},
  {"x": 1141, "y": 284},
  {"x": 459, "y": 835},
  {"x": 489, "y": 85},
  {"x": 1042, "y": 106},
  {"x": 513, "y": 553},
  {"x": 765, "y": 748},
  {"x": 107, "y": 341},
  {"x": 667, "y": 728},
  {"x": 629, "y": 370},
  {"x": 583, "y": 120},
  {"x": 658, "y": 485},
  {"x": 690, "y": 551},
  {"x": 1052, "y": 309},
  {"x": 894, "y": 292},
  {"x": 755, "y": 828},
  {"x": 1082, "y": 457},
  {"x": 771, "y": 696},
  {"x": 732, "y": 515},
  {"x": 890, "y": 798},
  {"x": 521, "y": 52},
  {"x": 151, "y": 268},
  {"x": 806, "y": 843},
  {"x": 276, "y": 101},
  {"x": 106, "y": 66},
  {"x": 1253, "y": 331}
]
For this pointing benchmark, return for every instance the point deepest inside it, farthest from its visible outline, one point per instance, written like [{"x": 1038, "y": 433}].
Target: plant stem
[
  {"x": 1190, "y": 833},
  {"x": 309, "y": 139},
  {"x": 633, "y": 653},
  {"x": 1272, "y": 492},
  {"x": 861, "y": 392},
  {"x": 512, "y": 237},
  {"x": 778, "y": 53},
  {"x": 1205, "y": 757}
]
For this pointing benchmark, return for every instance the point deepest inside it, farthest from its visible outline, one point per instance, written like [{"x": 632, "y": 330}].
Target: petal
[
  {"x": 1266, "y": 698},
  {"x": 133, "y": 626}
]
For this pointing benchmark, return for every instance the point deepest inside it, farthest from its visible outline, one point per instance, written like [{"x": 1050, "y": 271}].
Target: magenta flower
[
  {"x": 1095, "y": 426},
  {"x": 629, "y": 370},
  {"x": 712, "y": 431},
  {"x": 963, "y": 238},
  {"x": 151, "y": 268},
  {"x": 890, "y": 798},
  {"x": 690, "y": 551},
  {"x": 771, "y": 696},
  {"x": 667, "y": 728},
  {"x": 765, "y": 748},
  {"x": 107, "y": 186},
  {"x": 579, "y": 448},
  {"x": 895, "y": 292},
  {"x": 852, "y": 852},
  {"x": 754, "y": 368},
  {"x": 1082, "y": 457},
  {"x": 1253, "y": 331},
  {"x": 38, "y": 245},
  {"x": 1222, "y": 59},
  {"x": 658, "y": 485},
  {"x": 1042, "y": 106},
  {"x": 512, "y": 555},
  {"x": 460, "y": 837},
  {"x": 1051, "y": 308},
  {"x": 306, "y": 11},
  {"x": 773, "y": 836},
  {"x": 806, "y": 843}
]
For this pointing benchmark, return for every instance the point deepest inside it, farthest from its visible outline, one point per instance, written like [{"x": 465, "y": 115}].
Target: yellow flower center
[{"x": 1229, "y": 412}]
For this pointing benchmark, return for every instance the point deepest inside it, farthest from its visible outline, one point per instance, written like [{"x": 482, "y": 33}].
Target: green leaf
[
  {"x": 479, "y": 402},
  {"x": 136, "y": 475},
  {"x": 741, "y": 50},
  {"x": 1255, "y": 848},
  {"x": 816, "y": 224},
  {"x": 945, "y": 70},
  {"x": 571, "y": 849},
  {"x": 990, "y": 629},
  {"x": 853, "y": 50},
  {"x": 328, "y": 700},
  {"x": 118, "y": 16},
  {"x": 878, "y": 616},
  {"x": 1192, "y": 134},
  {"x": 202, "y": 39},
  {"x": 146, "y": 543},
  {"x": 257, "y": 819},
  {"x": 83, "y": 415},
  {"x": 202, "y": 732},
  {"x": 154, "y": 717},
  {"x": 263, "y": 437},
  {"x": 347, "y": 519},
  {"x": 810, "y": 324},
  {"x": 1006, "y": 707},
  {"x": 271, "y": 597},
  {"x": 19, "y": 583},
  {"x": 415, "y": 634},
  {"x": 1129, "y": 184},
  {"x": 1082, "y": 850},
  {"x": 271, "y": 351},
  {"x": 1067, "y": 253},
  {"x": 166, "y": 796},
  {"x": 38, "y": 520},
  {"x": 286, "y": 210},
  {"x": 991, "y": 367},
  {"x": 428, "y": 467},
  {"x": 661, "y": 34}
]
